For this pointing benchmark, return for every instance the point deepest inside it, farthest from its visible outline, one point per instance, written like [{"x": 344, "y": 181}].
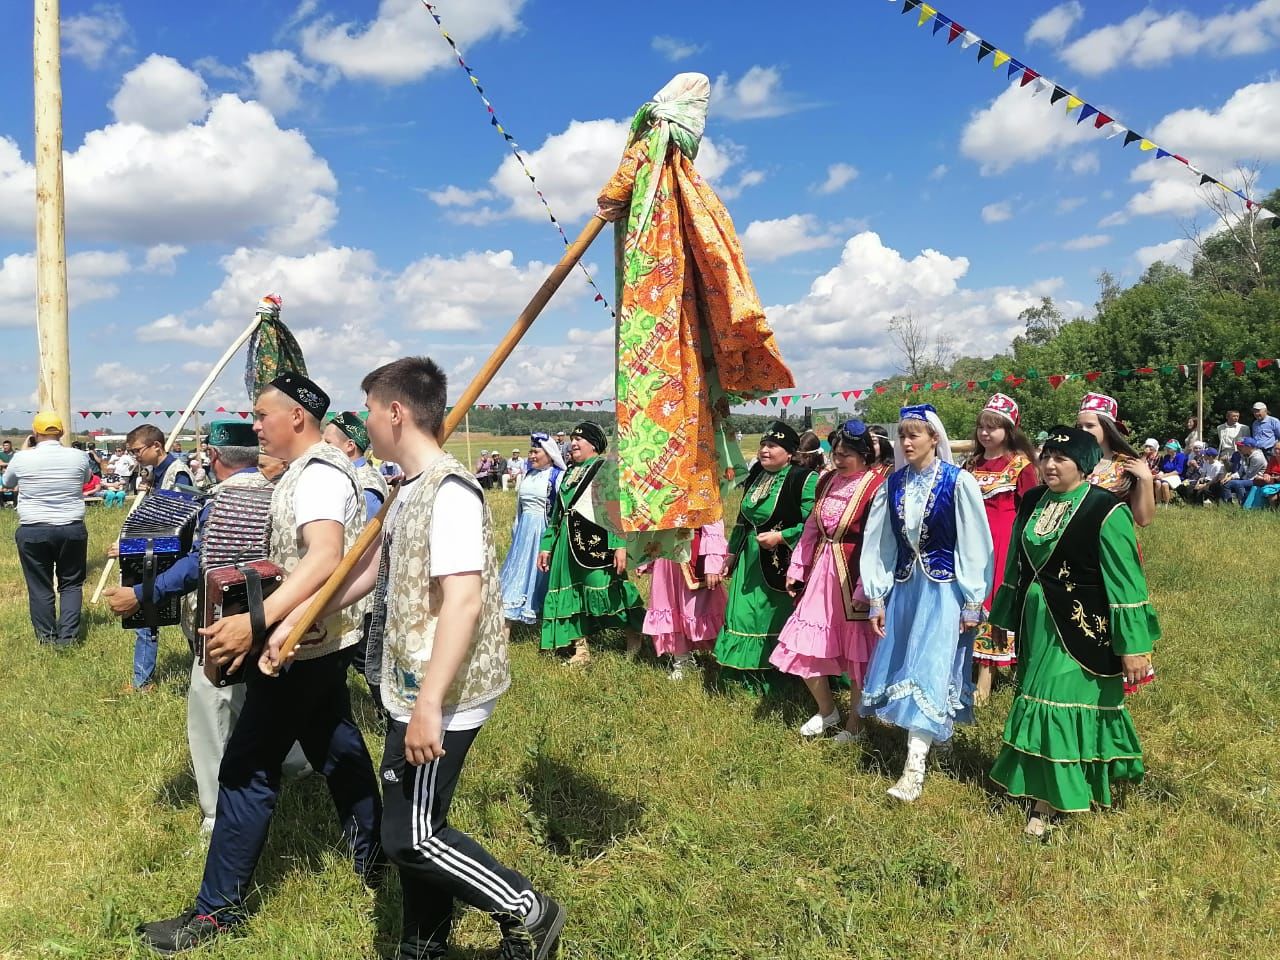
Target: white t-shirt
[
  {"x": 456, "y": 547},
  {"x": 1211, "y": 471},
  {"x": 323, "y": 493},
  {"x": 124, "y": 465}
]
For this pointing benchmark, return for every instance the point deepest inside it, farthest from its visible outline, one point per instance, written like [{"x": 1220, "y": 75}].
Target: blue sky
[{"x": 334, "y": 153}]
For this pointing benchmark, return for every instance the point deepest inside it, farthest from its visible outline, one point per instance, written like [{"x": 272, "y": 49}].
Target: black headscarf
[
  {"x": 781, "y": 434},
  {"x": 591, "y": 432},
  {"x": 1076, "y": 445}
]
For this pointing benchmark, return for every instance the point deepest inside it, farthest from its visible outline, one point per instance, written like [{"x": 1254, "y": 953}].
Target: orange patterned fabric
[{"x": 692, "y": 339}]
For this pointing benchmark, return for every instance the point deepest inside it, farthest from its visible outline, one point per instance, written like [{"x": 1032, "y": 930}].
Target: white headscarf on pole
[{"x": 926, "y": 413}]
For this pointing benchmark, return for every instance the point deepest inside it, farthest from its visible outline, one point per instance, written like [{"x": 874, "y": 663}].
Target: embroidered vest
[
  {"x": 191, "y": 601},
  {"x": 936, "y": 552},
  {"x": 414, "y": 598},
  {"x": 787, "y": 512},
  {"x": 1071, "y": 579},
  {"x": 845, "y": 541},
  {"x": 169, "y": 479},
  {"x": 588, "y": 540},
  {"x": 371, "y": 479},
  {"x": 335, "y": 632}
]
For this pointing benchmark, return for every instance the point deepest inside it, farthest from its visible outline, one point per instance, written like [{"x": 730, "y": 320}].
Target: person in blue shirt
[
  {"x": 168, "y": 472},
  {"x": 1170, "y": 473},
  {"x": 1265, "y": 429}
]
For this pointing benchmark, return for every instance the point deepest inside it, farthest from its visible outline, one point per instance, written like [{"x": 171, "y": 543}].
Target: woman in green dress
[
  {"x": 777, "y": 498},
  {"x": 587, "y": 586},
  {"x": 1075, "y": 593}
]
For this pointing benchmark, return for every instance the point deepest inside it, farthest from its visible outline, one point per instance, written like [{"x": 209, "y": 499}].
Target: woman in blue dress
[
  {"x": 523, "y": 584},
  {"x": 926, "y": 568}
]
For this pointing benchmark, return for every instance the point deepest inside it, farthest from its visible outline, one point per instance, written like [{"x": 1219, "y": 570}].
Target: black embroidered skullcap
[
  {"x": 1074, "y": 444},
  {"x": 303, "y": 391},
  {"x": 781, "y": 434},
  {"x": 591, "y": 433}
]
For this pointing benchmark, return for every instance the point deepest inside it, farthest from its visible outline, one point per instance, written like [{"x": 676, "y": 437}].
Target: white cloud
[
  {"x": 403, "y": 43},
  {"x": 1016, "y": 128},
  {"x": 769, "y": 240},
  {"x": 94, "y": 36},
  {"x": 163, "y": 258},
  {"x": 1052, "y": 27},
  {"x": 748, "y": 179},
  {"x": 444, "y": 293},
  {"x": 1177, "y": 253},
  {"x": 115, "y": 375},
  {"x": 90, "y": 276},
  {"x": 161, "y": 95},
  {"x": 1090, "y": 241},
  {"x": 279, "y": 79},
  {"x": 755, "y": 95},
  {"x": 839, "y": 176},
  {"x": 1067, "y": 204},
  {"x": 675, "y": 49},
  {"x": 159, "y": 177},
  {"x": 1246, "y": 126},
  {"x": 1084, "y": 163},
  {"x": 837, "y": 333},
  {"x": 571, "y": 167},
  {"x": 938, "y": 172},
  {"x": 997, "y": 212},
  {"x": 1151, "y": 39}
]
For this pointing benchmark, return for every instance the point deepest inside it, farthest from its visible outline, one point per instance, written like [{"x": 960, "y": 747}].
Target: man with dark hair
[
  {"x": 146, "y": 444},
  {"x": 316, "y": 515},
  {"x": 52, "y": 538},
  {"x": 444, "y": 665}
]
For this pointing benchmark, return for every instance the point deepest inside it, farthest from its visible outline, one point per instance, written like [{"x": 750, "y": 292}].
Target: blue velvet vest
[{"x": 937, "y": 552}]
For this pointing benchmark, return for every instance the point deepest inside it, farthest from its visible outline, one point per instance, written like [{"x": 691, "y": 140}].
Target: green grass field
[{"x": 675, "y": 823}]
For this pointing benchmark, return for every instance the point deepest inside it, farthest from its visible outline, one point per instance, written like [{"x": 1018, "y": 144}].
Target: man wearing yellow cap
[{"x": 51, "y": 537}]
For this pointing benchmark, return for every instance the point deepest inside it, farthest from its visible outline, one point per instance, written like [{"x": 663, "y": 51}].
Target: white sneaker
[
  {"x": 817, "y": 725},
  {"x": 681, "y": 667},
  {"x": 844, "y": 736}
]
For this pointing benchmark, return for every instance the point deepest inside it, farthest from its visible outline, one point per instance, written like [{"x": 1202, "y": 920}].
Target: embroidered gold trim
[
  {"x": 1130, "y": 606},
  {"x": 1039, "y": 756},
  {"x": 1055, "y": 703}
]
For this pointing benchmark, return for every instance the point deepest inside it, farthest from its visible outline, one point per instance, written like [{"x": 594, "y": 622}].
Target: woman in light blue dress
[
  {"x": 926, "y": 568},
  {"x": 523, "y": 584}
]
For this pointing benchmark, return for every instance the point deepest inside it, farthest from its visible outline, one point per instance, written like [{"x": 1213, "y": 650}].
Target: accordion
[
  {"x": 238, "y": 589},
  {"x": 235, "y": 573},
  {"x": 155, "y": 536}
]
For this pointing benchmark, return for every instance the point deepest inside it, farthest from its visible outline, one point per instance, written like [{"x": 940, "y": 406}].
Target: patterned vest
[
  {"x": 788, "y": 511},
  {"x": 334, "y": 633},
  {"x": 192, "y": 599},
  {"x": 414, "y": 598},
  {"x": 1071, "y": 579},
  {"x": 371, "y": 479},
  {"x": 362, "y": 610},
  {"x": 169, "y": 479},
  {"x": 845, "y": 541},
  {"x": 937, "y": 549}
]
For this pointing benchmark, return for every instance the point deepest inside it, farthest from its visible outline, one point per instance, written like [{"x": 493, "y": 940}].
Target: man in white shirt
[
  {"x": 1229, "y": 434},
  {"x": 516, "y": 467},
  {"x": 51, "y": 536}
]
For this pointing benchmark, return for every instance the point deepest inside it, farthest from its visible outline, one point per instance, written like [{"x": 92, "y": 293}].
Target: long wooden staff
[
  {"x": 483, "y": 377},
  {"x": 182, "y": 422}
]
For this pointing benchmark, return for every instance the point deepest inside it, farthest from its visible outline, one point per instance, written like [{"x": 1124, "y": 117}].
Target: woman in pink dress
[
  {"x": 828, "y": 634},
  {"x": 687, "y": 600},
  {"x": 1004, "y": 464}
]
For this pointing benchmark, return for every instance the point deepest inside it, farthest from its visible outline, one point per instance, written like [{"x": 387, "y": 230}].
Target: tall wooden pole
[
  {"x": 51, "y": 247},
  {"x": 1200, "y": 402}
]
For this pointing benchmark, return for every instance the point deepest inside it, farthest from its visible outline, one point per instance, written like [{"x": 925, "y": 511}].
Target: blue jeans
[
  {"x": 146, "y": 648},
  {"x": 1236, "y": 490}
]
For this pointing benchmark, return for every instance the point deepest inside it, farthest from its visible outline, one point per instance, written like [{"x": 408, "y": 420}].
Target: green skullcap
[
  {"x": 232, "y": 433},
  {"x": 349, "y": 422}
]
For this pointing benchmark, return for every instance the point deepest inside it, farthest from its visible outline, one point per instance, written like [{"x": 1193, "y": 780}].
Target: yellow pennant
[
  {"x": 999, "y": 60},
  {"x": 1146, "y": 145},
  {"x": 1073, "y": 102},
  {"x": 926, "y": 14}
]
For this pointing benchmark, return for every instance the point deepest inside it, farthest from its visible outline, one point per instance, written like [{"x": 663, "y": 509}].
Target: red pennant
[
  {"x": 578, "y": 403},
  {"x": 1093, "y": 375},
  {"x": 786, "y": 399},
  {"x": 244, "y": 414},
  {"x": 956, "y": 30},
  {"x": 537, "y": 406},
  {"x": 1100, "y": 121},
  {"x": 915, "y": 388},
  {"x": 1209, "y": 366},
  {"x": 1178, "y": 156},
  {"x": 85, "y": 414},
  {"x": 1015, "y": 381},
  {"x": 857, "y": 394},
  {"x": 1056, "y": 380},
  {"x": 940, "y": 385},
  {"x": 846, "y": 393},
  {"x": 1238, "y": 366},
  {"x": 1144, "y": 369},
  {"x": 221, "y": 410},
  {"x": 971, "y": 384},
  {"x": 882, "y": 389},
  {"x": 132, "y": 413},
  {"x": 1027, "y": 76},
  {"x": 1263, "y": 364}
]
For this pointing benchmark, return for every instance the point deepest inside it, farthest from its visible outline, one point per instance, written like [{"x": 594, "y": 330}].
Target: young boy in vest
[
  {"x": 146, "y": 445},
  {"x": 444, "y": 664}
]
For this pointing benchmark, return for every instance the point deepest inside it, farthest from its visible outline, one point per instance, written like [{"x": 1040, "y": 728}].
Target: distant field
[{"x": 678, "y": 823}]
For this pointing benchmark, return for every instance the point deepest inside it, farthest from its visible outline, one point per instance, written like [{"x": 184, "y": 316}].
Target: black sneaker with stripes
[
  {"x": 537, "y": 940},
  {"x": 183, "y": 932}
]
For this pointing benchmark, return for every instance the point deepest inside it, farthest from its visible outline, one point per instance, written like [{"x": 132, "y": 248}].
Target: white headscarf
[
  {"x": 551, "y": 447},
  {"x": 943, "y": 451}
]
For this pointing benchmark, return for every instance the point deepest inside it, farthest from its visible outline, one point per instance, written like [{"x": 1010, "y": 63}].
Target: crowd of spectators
[{"x": 1243, "y": 469}]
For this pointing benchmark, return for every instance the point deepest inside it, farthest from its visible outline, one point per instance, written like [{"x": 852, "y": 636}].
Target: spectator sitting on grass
[
  {"x": 1206, "y": 486},
  {"x": 1168, "y": 475},
  {"x": 1253, "y": 462},
  {"x": 1266, "y": 485}
]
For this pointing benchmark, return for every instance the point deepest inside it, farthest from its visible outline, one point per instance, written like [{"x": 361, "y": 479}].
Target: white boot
[
  {"x": 817, "y": 725},
  {"x": 911, "y": 783}
]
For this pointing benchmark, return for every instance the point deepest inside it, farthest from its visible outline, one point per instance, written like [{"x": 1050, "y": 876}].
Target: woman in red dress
[{"x": 1004, "y": 464}]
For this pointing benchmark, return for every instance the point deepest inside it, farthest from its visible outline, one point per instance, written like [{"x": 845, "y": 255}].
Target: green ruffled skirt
[
  {"x": 581, "y": 603},
  {"x": 1069, "y": 736}
]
